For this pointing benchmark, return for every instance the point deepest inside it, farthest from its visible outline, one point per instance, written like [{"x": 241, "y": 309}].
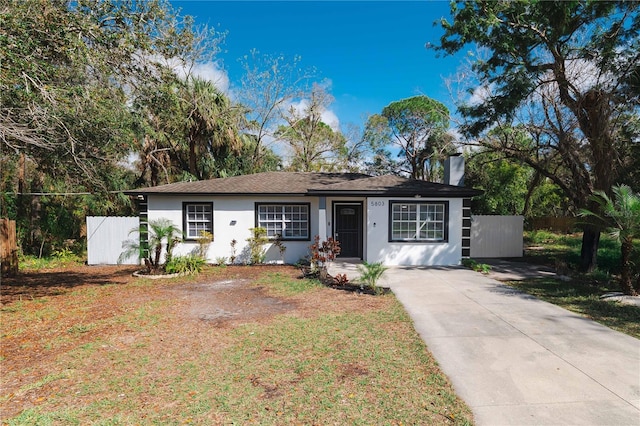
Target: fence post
[{"x": 8, "y": 247}]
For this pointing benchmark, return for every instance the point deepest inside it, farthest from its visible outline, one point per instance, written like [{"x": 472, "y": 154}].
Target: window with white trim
[
  {"x": 289, "y": 221},
  {"x": 198, "y": 217},
  {"x": 412, "y": 221}
]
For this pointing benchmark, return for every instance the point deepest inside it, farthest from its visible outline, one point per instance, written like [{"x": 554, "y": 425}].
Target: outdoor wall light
[{"x": 233, "y": 223}]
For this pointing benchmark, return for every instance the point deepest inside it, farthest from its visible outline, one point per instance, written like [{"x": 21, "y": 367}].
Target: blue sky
[{"x": 373, "y": 52}]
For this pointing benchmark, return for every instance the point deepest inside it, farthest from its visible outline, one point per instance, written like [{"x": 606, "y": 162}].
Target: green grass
[
  {"x": 34, "y": 263},
  {"x": 281, "y": 285},
  {"x": 141, "y": 366},
  {"x": 341, "y": 368}
]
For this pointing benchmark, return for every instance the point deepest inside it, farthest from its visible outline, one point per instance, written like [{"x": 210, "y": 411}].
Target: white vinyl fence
[
  {"x": 496, "y": 236},
  {"x": 105, "y": 236}
]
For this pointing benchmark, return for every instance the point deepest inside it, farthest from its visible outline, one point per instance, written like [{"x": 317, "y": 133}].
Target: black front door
[{"x": 348, "y": 229}]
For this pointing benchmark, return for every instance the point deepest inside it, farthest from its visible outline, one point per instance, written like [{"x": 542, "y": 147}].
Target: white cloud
[
  {"x": 331, "y": 119},
  {"x": 205, "y": 70},
  {"x": 210, "y": 71},
  {"x": 583, "y": 74},
  {"x": 300, "y": 107}
]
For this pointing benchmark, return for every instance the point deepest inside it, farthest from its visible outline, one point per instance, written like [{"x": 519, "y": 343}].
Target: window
[
  {"x": 198, "y": 217},
  {"x": 290, "y": 221},
  {"x": 412, "y": 221}
]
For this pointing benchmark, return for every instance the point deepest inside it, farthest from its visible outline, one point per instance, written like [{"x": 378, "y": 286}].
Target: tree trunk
[
  {"x": 193, "y": 168},
  {"x": 625, "y": 275},
  {"x": 537, "y": 177},
  {"x": 158, "y": 253},
  {"x": 21, "y": 204},
  {"x": 21, "y": 173},
  {"x": 36, "y": 237},
  {"x": 414, "y": 168},
  {"x": 589, "y": 250}
]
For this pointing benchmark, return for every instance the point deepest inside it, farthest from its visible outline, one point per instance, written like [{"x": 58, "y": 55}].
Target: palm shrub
[
  {"x": 621, "y": 214},
  {"x": 162, "y": 234},
  {"x": 370, "y": 273}
]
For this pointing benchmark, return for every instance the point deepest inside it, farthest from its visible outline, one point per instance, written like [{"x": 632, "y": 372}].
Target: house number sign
[{"x": 374, "y": 203}]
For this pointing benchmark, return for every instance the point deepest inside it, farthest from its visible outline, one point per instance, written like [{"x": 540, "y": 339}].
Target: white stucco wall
[
  {"x": 379, "y": 249},
  {"x": 234, "y": 216},
  {"x": 232, "y": 219}
]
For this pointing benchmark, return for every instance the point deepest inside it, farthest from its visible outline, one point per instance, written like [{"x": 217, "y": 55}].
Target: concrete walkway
[{"x": 514, "y": 359}]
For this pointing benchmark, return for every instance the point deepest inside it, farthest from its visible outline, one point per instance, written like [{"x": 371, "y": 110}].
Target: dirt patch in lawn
[{"x": 227, "y": 301}]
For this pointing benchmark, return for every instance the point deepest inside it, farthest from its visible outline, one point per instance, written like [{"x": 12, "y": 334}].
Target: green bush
[
  {"x": 540, "y": 237},
  {"x": 65, "y": 255},
  {"x": 190, "y": 264},
  {"x": 59, "y": 259},
  {"x": 478, "y": 267}
]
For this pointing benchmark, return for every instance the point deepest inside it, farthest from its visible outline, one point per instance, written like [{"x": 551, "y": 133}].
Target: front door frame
[{"x": 360, "y": 237}]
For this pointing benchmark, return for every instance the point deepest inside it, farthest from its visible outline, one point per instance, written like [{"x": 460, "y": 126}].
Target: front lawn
[{"x": 235, "y": 345}]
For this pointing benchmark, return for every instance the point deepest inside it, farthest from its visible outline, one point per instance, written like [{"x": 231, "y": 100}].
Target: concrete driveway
[{"x": 514, "y": 359}]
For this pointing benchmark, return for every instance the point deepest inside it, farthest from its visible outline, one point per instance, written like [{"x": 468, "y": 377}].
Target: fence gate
[
  {"x": 105, "y": 236},
  {"x": 497, "y": 236}
]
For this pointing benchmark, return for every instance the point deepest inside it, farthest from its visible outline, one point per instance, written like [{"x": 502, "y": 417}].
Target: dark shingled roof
[
  {"x": 395, "y": 186},
  {"x": 273, "y": 183},
  {"x": 301, "y": 183}
]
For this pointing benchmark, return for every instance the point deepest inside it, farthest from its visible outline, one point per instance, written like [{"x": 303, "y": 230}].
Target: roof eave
[
  {"x": 467, "y": 193},
  {"x": 458, "y": 194},
  {"x": 195, "y": 193}
]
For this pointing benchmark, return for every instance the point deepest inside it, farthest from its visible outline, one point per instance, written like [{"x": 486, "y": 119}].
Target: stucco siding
[
  {"x": 380, "y": 249},
  {"x": 233, "y": 217}
]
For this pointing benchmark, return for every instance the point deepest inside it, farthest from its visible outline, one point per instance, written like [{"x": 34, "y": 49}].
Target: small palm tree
[
  {"x": 622, "y": 215},
  {"x": 370, "y": 273},
  {"x": 162, "y": 233}
]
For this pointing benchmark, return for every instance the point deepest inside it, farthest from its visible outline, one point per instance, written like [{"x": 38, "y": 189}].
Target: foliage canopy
[
  {"x": 565, "y": 74},
  {"x": 417, "y": 127}
]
